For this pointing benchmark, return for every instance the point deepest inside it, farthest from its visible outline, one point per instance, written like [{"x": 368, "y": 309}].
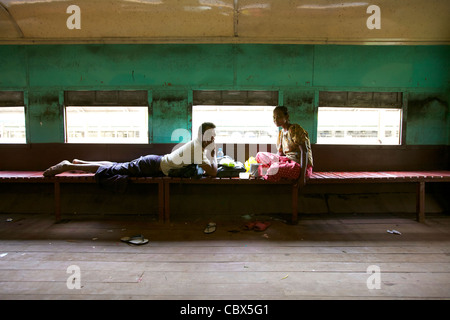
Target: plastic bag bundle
[{"x": 249, "y": 162}]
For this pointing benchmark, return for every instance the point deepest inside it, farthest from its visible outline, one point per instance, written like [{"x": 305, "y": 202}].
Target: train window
[
  {"x": 12, "y": 117},
  {"x": 240, "y": 116},
  {"x": 12, "y": 125},
  {"x": 106, "y": 116},
  {"x": 238, "y": 124},
  {"x": 106, "y": 124},
  {"x": 359, "y": 118},
  {"x": 362, "y": 126}
]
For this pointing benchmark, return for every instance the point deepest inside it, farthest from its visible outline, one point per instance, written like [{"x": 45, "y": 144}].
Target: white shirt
[{"x": 189, "y": 153}]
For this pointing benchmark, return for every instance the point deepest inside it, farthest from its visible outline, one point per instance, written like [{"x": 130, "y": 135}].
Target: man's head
[
  {"x": 207, "y": 133},
  {"x": 280, "y": 116}
]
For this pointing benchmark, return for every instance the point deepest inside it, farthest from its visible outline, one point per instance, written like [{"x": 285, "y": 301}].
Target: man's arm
[
  {"x": 303, "y": 164},
  {"x": 210, "y": 169}
]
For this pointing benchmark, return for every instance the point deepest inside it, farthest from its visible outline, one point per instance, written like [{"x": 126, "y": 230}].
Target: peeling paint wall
[
  {"x": 44, "y": 116},
  {"x": 171, "y": 71},
  {"x": 170, "y": 112},
  {"x": 428, "y": 119}
]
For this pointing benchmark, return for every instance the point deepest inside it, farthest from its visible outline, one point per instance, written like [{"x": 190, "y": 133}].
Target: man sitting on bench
[{"x": 201, "y": 151}]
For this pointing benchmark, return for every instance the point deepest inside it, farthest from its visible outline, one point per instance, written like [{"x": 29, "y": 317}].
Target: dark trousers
[{"x": 115, "y": 177}]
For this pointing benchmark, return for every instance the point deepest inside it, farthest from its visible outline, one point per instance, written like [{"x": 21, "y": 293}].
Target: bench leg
[
  {"x": 420, "y": 202},
  {"x": 294, "y": 204},
  {"x": 161, "y": 201},
  {"x": 166, "y": 202},
  {"x": 57, "y": 201}
]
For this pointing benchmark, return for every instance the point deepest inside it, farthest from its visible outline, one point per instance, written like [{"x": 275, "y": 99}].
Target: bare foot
[{"x": 56, "y": 169}]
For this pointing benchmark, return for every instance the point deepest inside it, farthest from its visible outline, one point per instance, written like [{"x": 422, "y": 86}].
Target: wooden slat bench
[
  {"x": 416, "y": 177},
  {"x": 78, "y": 178}
]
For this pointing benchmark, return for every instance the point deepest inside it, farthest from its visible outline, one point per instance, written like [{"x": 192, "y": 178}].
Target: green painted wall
[{"x": 171, "y": 71}]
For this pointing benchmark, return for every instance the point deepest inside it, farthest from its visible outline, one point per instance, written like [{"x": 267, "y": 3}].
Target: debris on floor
[
  {"x": 256, "y": 226},
  {"x": 394, "y": 232},
  {"x": 135, "y": 240},
  {"x": 210, "y": 228}
]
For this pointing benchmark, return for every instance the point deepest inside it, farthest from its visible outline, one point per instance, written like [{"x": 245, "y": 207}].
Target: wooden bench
[
  {"x": 417, "y": 177},
  {"x": 78, "y": 178}
]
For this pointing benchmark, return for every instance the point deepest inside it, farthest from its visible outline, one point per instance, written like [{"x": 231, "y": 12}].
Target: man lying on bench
[{"x": 114, "y": 176}]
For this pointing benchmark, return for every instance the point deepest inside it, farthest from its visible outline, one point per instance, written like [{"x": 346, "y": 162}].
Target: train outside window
[
  {"x": 12, "y": 125},
  {"x": 359, "y": 126},
  {"x": 238, "y": 124},
  {"x": 106, "y": 124}
]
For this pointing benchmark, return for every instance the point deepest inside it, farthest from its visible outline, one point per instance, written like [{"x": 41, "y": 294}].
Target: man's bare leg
[
  {"x": 102, "y": 163},
  {"x": 66, "y": 165}
]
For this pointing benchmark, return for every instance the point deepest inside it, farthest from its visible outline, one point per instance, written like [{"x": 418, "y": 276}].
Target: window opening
[
  {"x": 359, "y": 118},
  {"x": 239, "y": 116},
  {"x": 106, "y": 124},
  {"x": 12, "y": 124},
  {"x": 238, "y": 124}
]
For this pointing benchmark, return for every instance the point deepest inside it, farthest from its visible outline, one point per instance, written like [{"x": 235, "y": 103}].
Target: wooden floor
[{"x": 323, "y": 257}]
